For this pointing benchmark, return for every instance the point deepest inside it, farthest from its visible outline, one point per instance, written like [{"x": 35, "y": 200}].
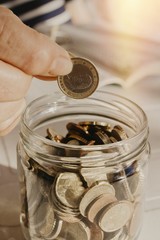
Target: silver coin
[
  {"x": 96, "y": 232},
  {"x": 113, "y": 235},
  {"x": 57, "y": 227},
  {"x": 34, "y": 196},
  {"x": 69, "y": 189},
  {"x": 98, "y": 189},
  {"x": 78, "y": 231},
  {"x": 93, "y": 174},
  {"x": 122, "y": 189},
  {"x": 82, "y": 81},
  {"x": 97, "y": 204},
  {"x": 136, "y": 221},
  {"x": 115, "y": 216},
  {"x": 43, "y": 220},
  {"x": 45, "y": 224},
  {"x": 136, "y": 183}
]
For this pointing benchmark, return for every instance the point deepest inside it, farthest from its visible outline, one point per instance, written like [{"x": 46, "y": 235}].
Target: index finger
[{"x": 30, "y": 51}]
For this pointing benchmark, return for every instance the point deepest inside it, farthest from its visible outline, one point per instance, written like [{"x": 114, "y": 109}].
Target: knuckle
[
  {"x": 37, "y": 62},
  {"x": 5, "y": 20}
]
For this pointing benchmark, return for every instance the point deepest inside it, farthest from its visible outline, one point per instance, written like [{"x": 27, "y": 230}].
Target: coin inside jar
[
  {"x": 79, "y": 231},
  {"x": 96, "y": 190},
  {"x": 69, "y": 188},
  {"x": 97, "y": 204},
  {"x": 115, "y": 216},
  {"x": 82, "y": 81}
]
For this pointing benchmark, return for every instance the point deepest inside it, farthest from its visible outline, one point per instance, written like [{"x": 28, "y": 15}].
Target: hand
[{"x": 24, "y": 53}]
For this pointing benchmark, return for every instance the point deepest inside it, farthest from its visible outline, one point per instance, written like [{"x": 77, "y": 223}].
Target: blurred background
[{"x": 122, "y": 38}]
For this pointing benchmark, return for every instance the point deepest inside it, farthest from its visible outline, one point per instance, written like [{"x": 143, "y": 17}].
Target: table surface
[{"x": 145, "y": 93}]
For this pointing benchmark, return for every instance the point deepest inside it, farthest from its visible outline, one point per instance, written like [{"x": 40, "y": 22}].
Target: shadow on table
[{"x": 9, "y": 205}]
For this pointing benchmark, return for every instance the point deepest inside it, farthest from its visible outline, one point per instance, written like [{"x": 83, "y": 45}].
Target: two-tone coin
[
  {"x": 82, "y": 81},
  {"x": 115, "y": 216},
  {"x": 101, "y": 137},
  {"x": 53, "y": 135},
  {"x": 77, "y": 128}
]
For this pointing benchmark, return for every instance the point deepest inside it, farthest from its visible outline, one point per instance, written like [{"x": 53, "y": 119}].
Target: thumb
[{"x": 28, "y": 50}]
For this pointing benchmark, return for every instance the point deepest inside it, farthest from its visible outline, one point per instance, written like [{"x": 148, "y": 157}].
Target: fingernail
[{"x": 61, "y": 66}]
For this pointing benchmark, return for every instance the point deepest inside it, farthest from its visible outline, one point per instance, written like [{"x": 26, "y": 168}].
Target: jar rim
[{"x": 36, "y": 136}]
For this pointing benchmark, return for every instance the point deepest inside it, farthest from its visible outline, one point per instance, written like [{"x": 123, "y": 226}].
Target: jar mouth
[{"x": 57, "y": 100}]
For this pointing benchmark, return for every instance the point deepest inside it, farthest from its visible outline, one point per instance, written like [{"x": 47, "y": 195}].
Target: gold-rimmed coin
[
  {"x": 82, "y": 81},
  {"x": 118, "y": 133}
]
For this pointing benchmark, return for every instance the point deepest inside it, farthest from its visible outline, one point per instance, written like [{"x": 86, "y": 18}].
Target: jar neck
[
  {"x": 42, "y": 149},
  {"x": 115, "y": 109}
]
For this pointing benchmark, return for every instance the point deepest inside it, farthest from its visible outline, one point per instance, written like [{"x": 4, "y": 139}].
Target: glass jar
[{"x": 82, "y": 192}]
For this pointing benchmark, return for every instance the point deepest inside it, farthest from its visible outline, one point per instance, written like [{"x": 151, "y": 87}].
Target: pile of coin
[
  {"x": 83, "y": 203},
  {"x": 89, "y": 133}
]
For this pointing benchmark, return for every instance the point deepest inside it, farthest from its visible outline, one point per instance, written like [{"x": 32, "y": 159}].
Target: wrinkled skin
[{"x": 24, "y": 53}]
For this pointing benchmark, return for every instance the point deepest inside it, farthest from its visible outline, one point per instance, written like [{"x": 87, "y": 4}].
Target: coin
[
  {"x": 69, "y": 189},
  {"x": 136, "y": 183},
  {"x": 115, "y": 216},
  {"x": 43, "y": 220},
  {"x": 34, "y": 196},
  {"x": 101, "y": 137},
  {"x": 81, "y": 140},
  {"x": 96, "y": 232},
  {"x": 97, "y": 204},
  {"x": 118, "y": 133},
  {"x": 71, "y": 126},
  {"x": 123, "y": 190},
  {"x": 82, "y": 81},
  {"x": 57, "y": 229},
  {"x": 44, "y": 223},
  {"x": 51, "y": 133},
  {"x": 96, "y": 190},
  {"x": 79, "y": 231},
  {"x": 113, "y": 235},
  {"x": 136, "y": 220},
  {"x": 124, "y": 235},
  {"x": 93, "y": 174}
]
